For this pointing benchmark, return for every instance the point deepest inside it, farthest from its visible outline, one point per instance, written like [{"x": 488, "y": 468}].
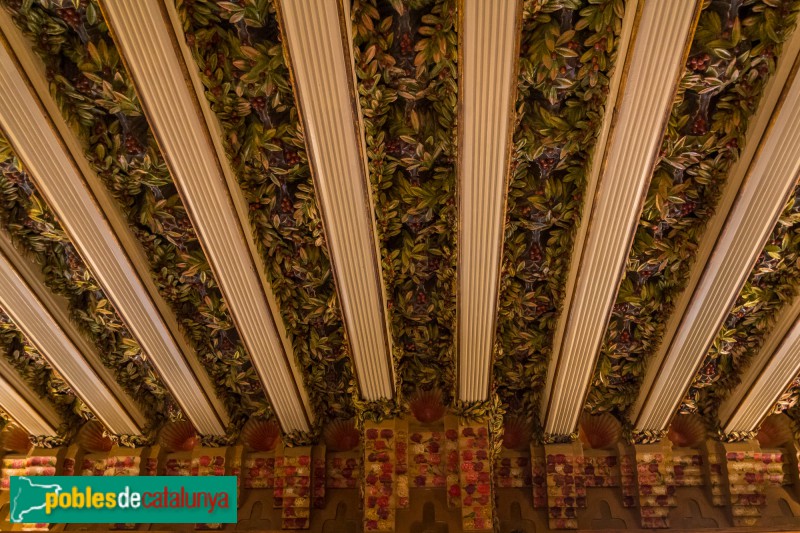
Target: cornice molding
[
  {"x": 659, "y": 46},
  {"x": 770, "y": 177},
  {"x": 319, "y": 56},
  {"x": 154, "y": 57},
  {"x": 53, "y": 157},
  {"x": 489, "y": 36}
]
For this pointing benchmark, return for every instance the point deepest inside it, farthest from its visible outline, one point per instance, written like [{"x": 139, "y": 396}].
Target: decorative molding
[
  {"x": 660, "y": 45},
  {"x": 647, "y": 436},
  {"x": 17, "y": 400},
  {"x": 324, "y": 79},
  {"x": 770, "y": 177},
  {"x": 145, "y": 38},
  {"x": 45, "y": 322},
  {"x": 489, "y": 34},
  {"x": 47, "y": 147},
  {"x": 771, "y": 371}
]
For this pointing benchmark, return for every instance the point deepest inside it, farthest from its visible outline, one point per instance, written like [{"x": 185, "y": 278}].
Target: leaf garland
[
  {"x": 41, "y": 377},
  {"x": 406, "y": 54},
  {"x": 567, "y": 56},
  {"x": 97, "y": 98},
  {"x": 788, "y": 401},
  {"x": 733, "y": 55},
  {"x": 36, "y": 232},
  {"x": 771, "y": 286},
  {"x": 238, "y": 51}
]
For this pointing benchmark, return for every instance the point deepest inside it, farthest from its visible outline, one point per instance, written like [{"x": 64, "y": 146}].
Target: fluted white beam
[
  {"x": 153, "y": 54},
  {"x": 43, "y": 319},
  {"x": 758, "y": 125},
  {"x": 318, "y": 49},
  {"x": 490, "y": 34},
  {"x": 31, "y": 412},
  {"x": 770, "y": 177},
  {"x": 770, "y": 372},
  {"x": 654, "y": 63},
  {"x": 53, "y": 157}
]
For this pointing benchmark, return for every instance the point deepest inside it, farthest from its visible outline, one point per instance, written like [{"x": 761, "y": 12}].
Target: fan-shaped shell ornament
[
  {"x": 687, "y": 431},
  {"x": 516, "y": 433},
  {"x": 775, "y": 431},
  {"x": 599, "y": 431},
  {"x": 92, "y": 438},
  {"x": 427, "y": 406},
  {"x": 15, "y": 439},
  {"x": 261, "y": 435},
  {"x": 178, "y": 437},
  {"x": 341, "y": 435}
]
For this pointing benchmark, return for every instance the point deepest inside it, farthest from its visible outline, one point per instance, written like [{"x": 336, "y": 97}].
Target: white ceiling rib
[
  {"x": 758, "y": 125},
  {"x": 488, "y": 80},
  {"x": 324, "y": 78}
]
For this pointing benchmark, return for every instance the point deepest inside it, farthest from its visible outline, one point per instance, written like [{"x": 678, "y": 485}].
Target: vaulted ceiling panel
[
  {"x": 721, "y": 105},
  {"x": 762, "y": 384},
  {"x": 240, "y": 61},
  {"x": 406, "y": 61},
  {"x": 655, "y": 60},
  {"x": 30, "y": 391},
  {"x": 313, "y": 210},
  {"x": 567, "y": 57}
]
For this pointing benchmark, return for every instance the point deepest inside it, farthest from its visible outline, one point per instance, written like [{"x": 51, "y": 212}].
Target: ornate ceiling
[{"x": 618, "y": 166}]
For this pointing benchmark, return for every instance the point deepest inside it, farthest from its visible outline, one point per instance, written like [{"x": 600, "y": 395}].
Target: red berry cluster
[
  {"x": 406, "y": 44},
  {"x": 546, "y": 164},
  {"x": 132, "y": 146},
  {"x": 84, "y": 85},
  {"x": 259, "y": 103},
  {"x": 699, "y": 126},
  {"x": 71, "y": 16},
  {"x": 535, "y": 253},
  {"x": 700, "y": 63},
  {"x": 394, "y": 146},
  {"x": 687, "y": 208},
  {"x": 291, "y": 157}
]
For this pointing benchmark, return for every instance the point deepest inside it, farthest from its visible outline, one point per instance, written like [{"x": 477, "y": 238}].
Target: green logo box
[{"x": 118, "y": 499}]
